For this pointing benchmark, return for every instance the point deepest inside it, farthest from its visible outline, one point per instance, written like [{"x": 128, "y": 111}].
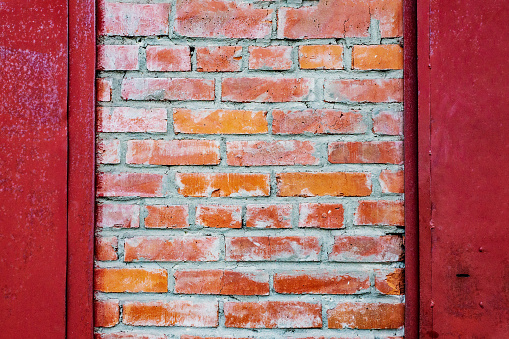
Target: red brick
[
  {"x": 129, "y": 185},
  {"x": 366, "y": 316},
  {"x": 219, "y": 121},
  {"x": 390, "y": 15},
  {"x": 275, "y": 58},
  {"x": 106, "y": 313},
  {"x": 222, "y": 19},
  {"x": 130, "y": 280},
  {"x": 167, "y": 217},
  {"x": 167, "y": 89},
  {"x": 328, "y": 19},
  {"x": 122, "y": 216},
  {"x": 320, "y": 121},
  {"x": 310, "y": 184},
  {"x": 223, "y": 184},
  {"x": 329, "y": 216},
  {"x": 128, "y": 335},
  {"x": 223, "y": 282},
  {"x": 129, "y": 19},
  {"x": 272, "y": 248},
  {"x": 218, "y": 59},
  {"x": 392, "y": 181},
  {"x": 103, "y": 89},
  {"x": 367, "y": 90},
  {"x": 106, "y": 248},
  {"x": 173, "y": 152},
  {"x": 390, "y": 281},
  {"x": 117, "y": 57},
  {"x": 367, "y": 249},
  {"x": 269, "y": 216},
  {"x": 273, "y": 314},
  {"x": 320, "y": 282},
  {"x": 219, "y": 216},
  {"x": 171, "y": 313},
  {"x": 171, "y": 249},
  {"x": 185, "y": 336},
  {"x": 388, "y": 123},
  {"x": 367, "y": 152},
  {"x": 108, "y": 151},
  {"x": 380, "y": 213},
  {"x": 168, "y": 58},
  {"x": 321, "y": 57},
  {"x": 267, "y": 89},
  {"x": 377, "y": 57},
  {"x": 266, "y": 153},
  {"x": 128, "y": 119}
]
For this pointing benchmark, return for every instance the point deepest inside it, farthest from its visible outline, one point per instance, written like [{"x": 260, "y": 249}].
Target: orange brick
[
  {"x": 219, "y": 216},
  {"x": 127, "y": 119},
  {"x": 222, "y": 19},
  {"x": 130, "y": 280},
  {"x": 106, "y": 313},
  {"x": 173, "y": 152},
  {"x": 122, "y": 216},
  {"x": 321, "y": 57},
  {"x": 223, "y": 184},
  {"x": 185, "y": 336},
  {"x": 103, "y": 89},
  {"x": 108, "y": 151},
  {"x": 273, "y": 314},
  {"x": 219, "y": 121},
  {"x": 320, "y": 121},
  {"x": 128, "y": 335},
  {"x": 367, "y": 249},
  {"x": 129, "y": 19},
  {"x": 392, "y": 181},
  {"x": 171, "y": 249},
  {"x": 367, "y": 152},
  {"x": 311, "y": 184},
  {"x": 329, "y": 216},
  {"x": 266, "y": 153},
  {"x": 390, "y": 213},
  {"x": 366, "y": 316},
  {"x": 117, "y": 57},
  {"x": 390, "y": 281},
  {"x": 377, "y": 57},
  {"x": 366, "y": 90},
  {"x": 167, "y": 89},
  {"x": 167, "y": 217},
  {"x": 171, "y": 313},
  {"x": 168, "y": 58},
  {"x": 388, "y": 123},
  {"x": 273, "y": 248},
  {"x": 106, "y": 248},
  {"x": 218, "y": 59},
  {"x": 267, "y": 89},
  {"x": 320, "y": 282},
  {"x": 129, "y": 185},
  {"x": 269, "y": 216},
  {"x": 276, "y": 58},
  {"x": 223, "y": 282}
]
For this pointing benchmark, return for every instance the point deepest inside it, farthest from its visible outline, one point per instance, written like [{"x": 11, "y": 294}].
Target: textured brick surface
[{"x": 250, "y": 172}]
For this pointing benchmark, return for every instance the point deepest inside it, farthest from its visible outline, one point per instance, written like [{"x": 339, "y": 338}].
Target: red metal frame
[
  {"x": 411, "y": 192},
  {"x": 81, "y": 170}
]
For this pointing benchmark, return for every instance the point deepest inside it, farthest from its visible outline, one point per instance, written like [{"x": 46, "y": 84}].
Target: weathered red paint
[
  {"x": 463, "y": 148},
  {"x": 81, "y": 183},
  {"x": 33, "y": 162},
  {"x": 411, "y": 192}
]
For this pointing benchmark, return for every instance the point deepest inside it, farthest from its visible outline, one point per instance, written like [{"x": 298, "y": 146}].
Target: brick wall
[{"x": 250, "y": 180}]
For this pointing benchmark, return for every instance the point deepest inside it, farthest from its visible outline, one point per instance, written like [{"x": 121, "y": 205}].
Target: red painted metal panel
[
  {"x": 33, "y": 163},
  {"x": 469, "y": 143},
  {"x": 81, "y": 194}
]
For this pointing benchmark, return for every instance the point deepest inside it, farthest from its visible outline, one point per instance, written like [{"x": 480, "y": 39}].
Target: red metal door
[
  {"x": 463, "y": 159},
  {"x": 33, "y": 168}
]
